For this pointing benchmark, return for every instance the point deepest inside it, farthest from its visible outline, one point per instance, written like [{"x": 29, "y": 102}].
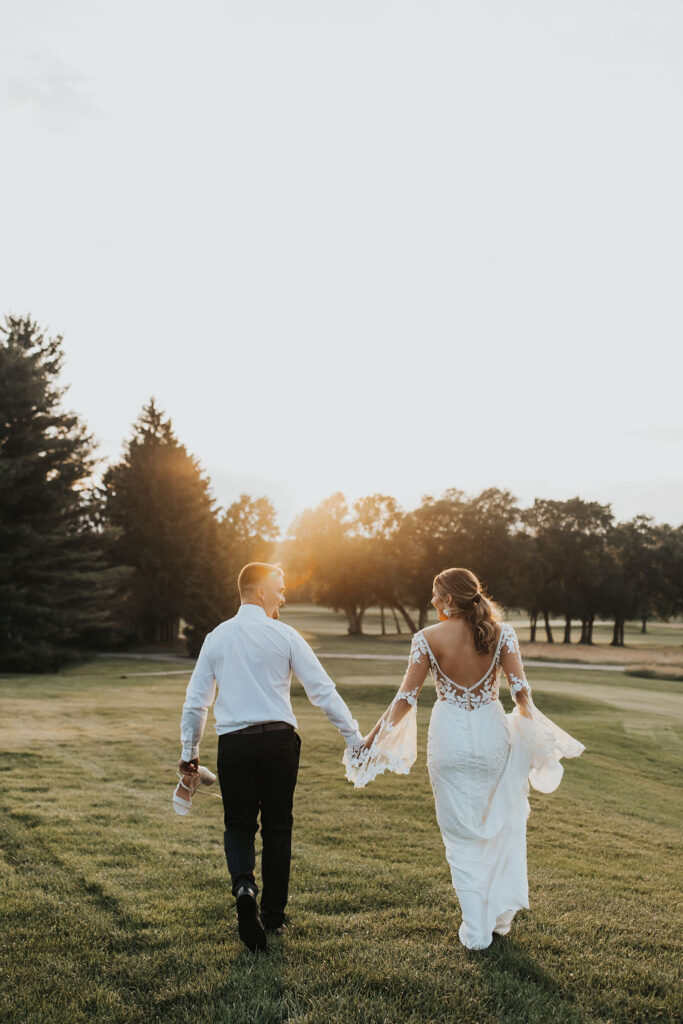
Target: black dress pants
[{"x": 257, "y": 773}]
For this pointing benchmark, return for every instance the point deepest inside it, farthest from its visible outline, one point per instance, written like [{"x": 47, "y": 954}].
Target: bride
[{"x": 480, "y": 760}]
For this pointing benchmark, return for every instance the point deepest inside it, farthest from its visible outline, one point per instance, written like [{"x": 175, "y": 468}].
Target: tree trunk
[
  {"x": 643, "y": 628},
  {"x": 587, "y": 630},
  {"x": 396, "y": 620},
  {"x": 355, "y": 619},
  {"x": 406, "y": 617},
  {"x": 423, "y": 616},
  {"x": 381, "y": 612},
  {"x": 567, "y": 629},
  {"x": 533, "y": 619},
  {"x": 548, "y": 630},
  {"x": 617, "y": 633}
]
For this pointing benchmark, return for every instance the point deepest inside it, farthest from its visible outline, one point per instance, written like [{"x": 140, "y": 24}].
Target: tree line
[
  {"x": 89, "y": 563},
  {"x": 569, "y": 559}
]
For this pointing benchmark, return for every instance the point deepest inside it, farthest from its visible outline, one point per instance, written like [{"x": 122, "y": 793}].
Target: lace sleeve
[
  {"x": 538, "y": 743},
  {"x": 511, "y": 661},
  {"x": 394, "y": 738},
  {"x": 413, "y": 681}
]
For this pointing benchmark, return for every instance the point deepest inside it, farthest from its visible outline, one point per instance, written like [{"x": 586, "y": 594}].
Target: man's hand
[{"x": 188, "y": 767}]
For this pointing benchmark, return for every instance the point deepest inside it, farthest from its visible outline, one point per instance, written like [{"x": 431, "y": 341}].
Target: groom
[{"x": 251, "y": 658}]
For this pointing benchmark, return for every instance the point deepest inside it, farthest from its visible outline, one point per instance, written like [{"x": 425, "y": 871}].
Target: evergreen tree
[
  {"x": 158, "y": 503},
  {"x": 55, "y": 588}
]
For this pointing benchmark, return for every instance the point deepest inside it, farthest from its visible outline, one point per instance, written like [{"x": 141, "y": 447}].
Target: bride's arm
[
  {"x": 408, "y": 692},
  {"x": 511, "y": 661}
]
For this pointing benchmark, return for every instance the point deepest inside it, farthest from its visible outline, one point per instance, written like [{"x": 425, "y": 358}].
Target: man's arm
[
  {"x": 200, "y": 693},
  {"x": 320, "y": 689}
]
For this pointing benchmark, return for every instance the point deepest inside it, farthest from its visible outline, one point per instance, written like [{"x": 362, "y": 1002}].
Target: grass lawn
[{"x": 116, "y": 910}]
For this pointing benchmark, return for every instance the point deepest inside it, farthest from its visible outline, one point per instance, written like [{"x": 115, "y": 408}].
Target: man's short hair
[{"x": 254, "y": 573}]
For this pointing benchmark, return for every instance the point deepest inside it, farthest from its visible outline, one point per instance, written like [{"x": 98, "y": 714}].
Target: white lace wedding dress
[{"x": 481, "y": 762}]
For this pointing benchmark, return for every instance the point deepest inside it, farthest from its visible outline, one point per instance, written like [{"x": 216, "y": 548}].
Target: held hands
[
  {"x": 357, "y": 754},
  {"x": 364, "y": 744},
  {"x": 360, "y": 749}
]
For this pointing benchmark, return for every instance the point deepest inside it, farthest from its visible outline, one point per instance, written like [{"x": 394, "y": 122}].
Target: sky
[{"x": 371, "y": 246}]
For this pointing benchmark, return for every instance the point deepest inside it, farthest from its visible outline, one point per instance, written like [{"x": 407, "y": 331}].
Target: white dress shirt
[{"x": 251, "y": 658}]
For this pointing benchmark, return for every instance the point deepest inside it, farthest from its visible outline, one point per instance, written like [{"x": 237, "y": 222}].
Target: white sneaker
[{"x": 202, "y": 777}]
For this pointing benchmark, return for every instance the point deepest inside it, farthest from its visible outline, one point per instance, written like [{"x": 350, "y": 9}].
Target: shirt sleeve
[
  {"x": 320, "y": 689},
  {"x": 511, "y": 661},
  {"x": 199, "y": 695}
]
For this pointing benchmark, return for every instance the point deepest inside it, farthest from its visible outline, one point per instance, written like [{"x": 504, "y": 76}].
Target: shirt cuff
[
  {"x": 190, "y": 752},
  {"x": 353, "y": 739}
]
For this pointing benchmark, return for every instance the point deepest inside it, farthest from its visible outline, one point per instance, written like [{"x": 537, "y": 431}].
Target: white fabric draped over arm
[
  {"x": 541, "y": 740},
  {"x": 394, "y": 746}
]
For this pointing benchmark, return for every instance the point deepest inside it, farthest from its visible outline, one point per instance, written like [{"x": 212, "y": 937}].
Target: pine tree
[
  {"x": 55, "y": 588},
  {"x": 159, "y": 505}
]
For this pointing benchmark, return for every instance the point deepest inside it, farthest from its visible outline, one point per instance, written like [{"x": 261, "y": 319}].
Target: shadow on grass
[
  {"x": 249, "y": 990},
  {"x": 126, "y": 965},
  {"x": 519, "y": 990}
]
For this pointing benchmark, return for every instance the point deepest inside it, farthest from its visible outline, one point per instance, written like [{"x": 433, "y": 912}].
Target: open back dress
[{"x": 481, "y": 763}]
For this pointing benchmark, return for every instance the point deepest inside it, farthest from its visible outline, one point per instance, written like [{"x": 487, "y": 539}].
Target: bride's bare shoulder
[
  {"x": 440, "y": 629},
  {"x": 432, "y": 630}
]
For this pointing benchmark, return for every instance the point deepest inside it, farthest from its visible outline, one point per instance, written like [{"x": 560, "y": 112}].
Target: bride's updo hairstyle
[{"x": 464, "y": 598}]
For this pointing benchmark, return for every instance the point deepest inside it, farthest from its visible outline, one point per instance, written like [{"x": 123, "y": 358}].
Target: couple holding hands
[{"x": 481, "y": 761}]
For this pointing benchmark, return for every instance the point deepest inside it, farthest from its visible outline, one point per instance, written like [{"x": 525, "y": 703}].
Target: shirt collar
[{"x": 251, "y": 611}]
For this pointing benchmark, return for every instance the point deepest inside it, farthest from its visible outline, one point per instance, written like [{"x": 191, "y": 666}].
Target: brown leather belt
[{"x": 261, "y": 727}]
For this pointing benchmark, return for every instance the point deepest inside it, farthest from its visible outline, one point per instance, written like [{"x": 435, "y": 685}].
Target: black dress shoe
[{"x": 249, "y": 924}]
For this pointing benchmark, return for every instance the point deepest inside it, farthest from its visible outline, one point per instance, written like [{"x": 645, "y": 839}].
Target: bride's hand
[{"x": 362, "y": 745}]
